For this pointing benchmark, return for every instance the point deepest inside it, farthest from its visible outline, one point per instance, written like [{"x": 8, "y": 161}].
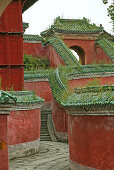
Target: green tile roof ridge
[
  {"x": 29, "y": 37},
  {"x": 94, "y": 96},
  {"x": 25, "y": 98},
  {"x": 72, "y": 26},
  {"x": 57, "y": 85},
  {"x": 40, "y": 74},
  {"x": 74, "y": 71},
  {"x": 88, "y": 99},
  {"x": 6, "y": 98},
  {"x": 91, "y": 69},
  {"x": 107, "y": 46},
  {"x": 62, "y": 50}
]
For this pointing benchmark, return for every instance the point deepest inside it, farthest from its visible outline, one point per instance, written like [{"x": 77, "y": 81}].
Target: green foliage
[
  {"x": 94, "y": 82},
  {"x": 111, "y": 13},
  {"x": 32, "y": 64}
]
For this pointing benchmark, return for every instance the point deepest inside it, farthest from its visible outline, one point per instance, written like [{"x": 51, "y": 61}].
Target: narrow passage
[{"x": 52, "y": 156}]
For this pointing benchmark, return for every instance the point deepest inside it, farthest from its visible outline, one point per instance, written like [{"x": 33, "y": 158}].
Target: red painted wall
[
  {"x": 11, "y": 47},
  {"x": 41, "y": 88},
  {"x": 83, "y": 81},
  {"x": 92, "y": 53},
  {"x": 23, "y": 126},
  {"x": 60, "y": 118},
  {"x": 101, "y": 55},
  {"x": 91, "y": 141},
  {"x": 55, "y": 59},
  {"x": 4, "y": 163},
  {"x": 34, "y": 49},
  {"x": 87, "y": 45}
]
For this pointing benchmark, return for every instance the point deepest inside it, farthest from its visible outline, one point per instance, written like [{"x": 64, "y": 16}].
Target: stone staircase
[{"x": 44, "y": 133}]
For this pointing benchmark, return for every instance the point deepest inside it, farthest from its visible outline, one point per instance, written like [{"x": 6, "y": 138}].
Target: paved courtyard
[{"x": 52, "y": 156}]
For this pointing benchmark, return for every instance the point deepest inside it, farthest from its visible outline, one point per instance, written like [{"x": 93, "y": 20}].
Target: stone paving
[{"x": 52, "y": 156}]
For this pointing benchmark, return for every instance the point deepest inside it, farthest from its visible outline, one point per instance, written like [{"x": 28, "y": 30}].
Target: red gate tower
[{"x": 11, "y": 47}]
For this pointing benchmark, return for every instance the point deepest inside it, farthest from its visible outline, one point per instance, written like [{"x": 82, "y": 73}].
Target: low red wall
[
  {"x": 23, "y": 126},
  {"x": 91, "y": 141},
  {"x": 41, "y": 88},
  {"x": 60, "y": 118},
  {"x": 83, "y": 81},
  {"x": 55, "y": 59},
  {"x": 34, "y": 49},
  {"x": 4, "y": 163}
]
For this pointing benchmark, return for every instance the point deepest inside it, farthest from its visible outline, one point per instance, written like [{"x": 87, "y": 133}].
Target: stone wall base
[
  {"x": 76, "y": 166},
  {"x": 61, "y": 136},
  {"x": 24, "y": 149}
]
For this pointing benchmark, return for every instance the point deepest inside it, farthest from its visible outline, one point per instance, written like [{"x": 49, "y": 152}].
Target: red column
[{"x": 11, "y": 47}]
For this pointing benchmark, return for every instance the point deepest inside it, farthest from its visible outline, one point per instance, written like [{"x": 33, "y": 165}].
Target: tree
[{"x": 110, "y": 10}]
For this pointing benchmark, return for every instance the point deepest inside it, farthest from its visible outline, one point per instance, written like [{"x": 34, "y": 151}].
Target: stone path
[{"x": 52, "y": 156}]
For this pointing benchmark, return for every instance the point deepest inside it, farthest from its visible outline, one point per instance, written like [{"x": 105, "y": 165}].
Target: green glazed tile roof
[
  {"x": 91, "y": 69},
  {"x": 57, "y": 85},
  {"x": 25, "y": 26},
  {"x": 28, "y": 4},
  {"x": 62, "y": 50},
  {"x": 25, "y": 98},
  {"x": 107, "y": 46},
  {"x": 28, "y": 37},
  {"x": 72, "y": 26},
  {"x": 99, "y": 96},
  {"x": 94, "y": 96},
  {"x": 6, "y": 98},
  {"x": 40, "y": 74},
  {"x": 74, "y": 71}
]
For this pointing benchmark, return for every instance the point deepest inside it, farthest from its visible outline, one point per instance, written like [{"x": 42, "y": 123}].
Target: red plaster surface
[
  {"x": 4, "y": 163},
  {"x": 91, "y": 141},
  {"x": 92, "y": 53},
  {"x": 41, "y": 88},
  {"x": 34, "y": 49},
  {"x": 23, "y": 126},
  {"x": 55, "y": 59},
  {"x": 82, "y": 82},
  {"x": 60, "y": 118},
  {"x": 101, "y": 55},
  {"x": 11, "y": 47}
]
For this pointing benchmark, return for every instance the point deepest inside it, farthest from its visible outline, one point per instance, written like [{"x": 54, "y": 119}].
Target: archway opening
[{"x": 78, "y": 53}]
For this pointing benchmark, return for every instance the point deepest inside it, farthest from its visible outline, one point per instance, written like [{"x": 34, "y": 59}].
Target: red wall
[
  {"x": 23, "y": 126},
  {"x": 60, "y": 118},
  {"x": 34, "y": 49},
  {"x": 83, "y": 81},
  {"x": 41, "y": 89},
  {"x": 92, "y": 53},
  {"x": 55, "y": 59},
  {"x": 91, "y": 141},
  {"x": 101, "y": 55},
  {"x": 3, "y": 139}
]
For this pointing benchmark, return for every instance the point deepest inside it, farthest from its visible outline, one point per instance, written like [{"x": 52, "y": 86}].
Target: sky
[{"x": 42, "y": 14}]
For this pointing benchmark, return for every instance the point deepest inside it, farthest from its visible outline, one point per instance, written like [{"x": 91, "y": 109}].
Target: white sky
[{"x": 42, "y": 14}]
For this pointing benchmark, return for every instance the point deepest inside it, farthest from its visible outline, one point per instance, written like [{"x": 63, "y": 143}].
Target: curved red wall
[
  {"x": 81, "y": 82},
  {"x": 60, "y": 118},
  {"x": 23, "y": 126},
  {"x": 91, "y": 141},
  {"x": 3, "y": 139}
]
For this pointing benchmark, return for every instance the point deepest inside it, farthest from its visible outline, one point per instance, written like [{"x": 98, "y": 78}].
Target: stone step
[{"x": 44, "y": 134}]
